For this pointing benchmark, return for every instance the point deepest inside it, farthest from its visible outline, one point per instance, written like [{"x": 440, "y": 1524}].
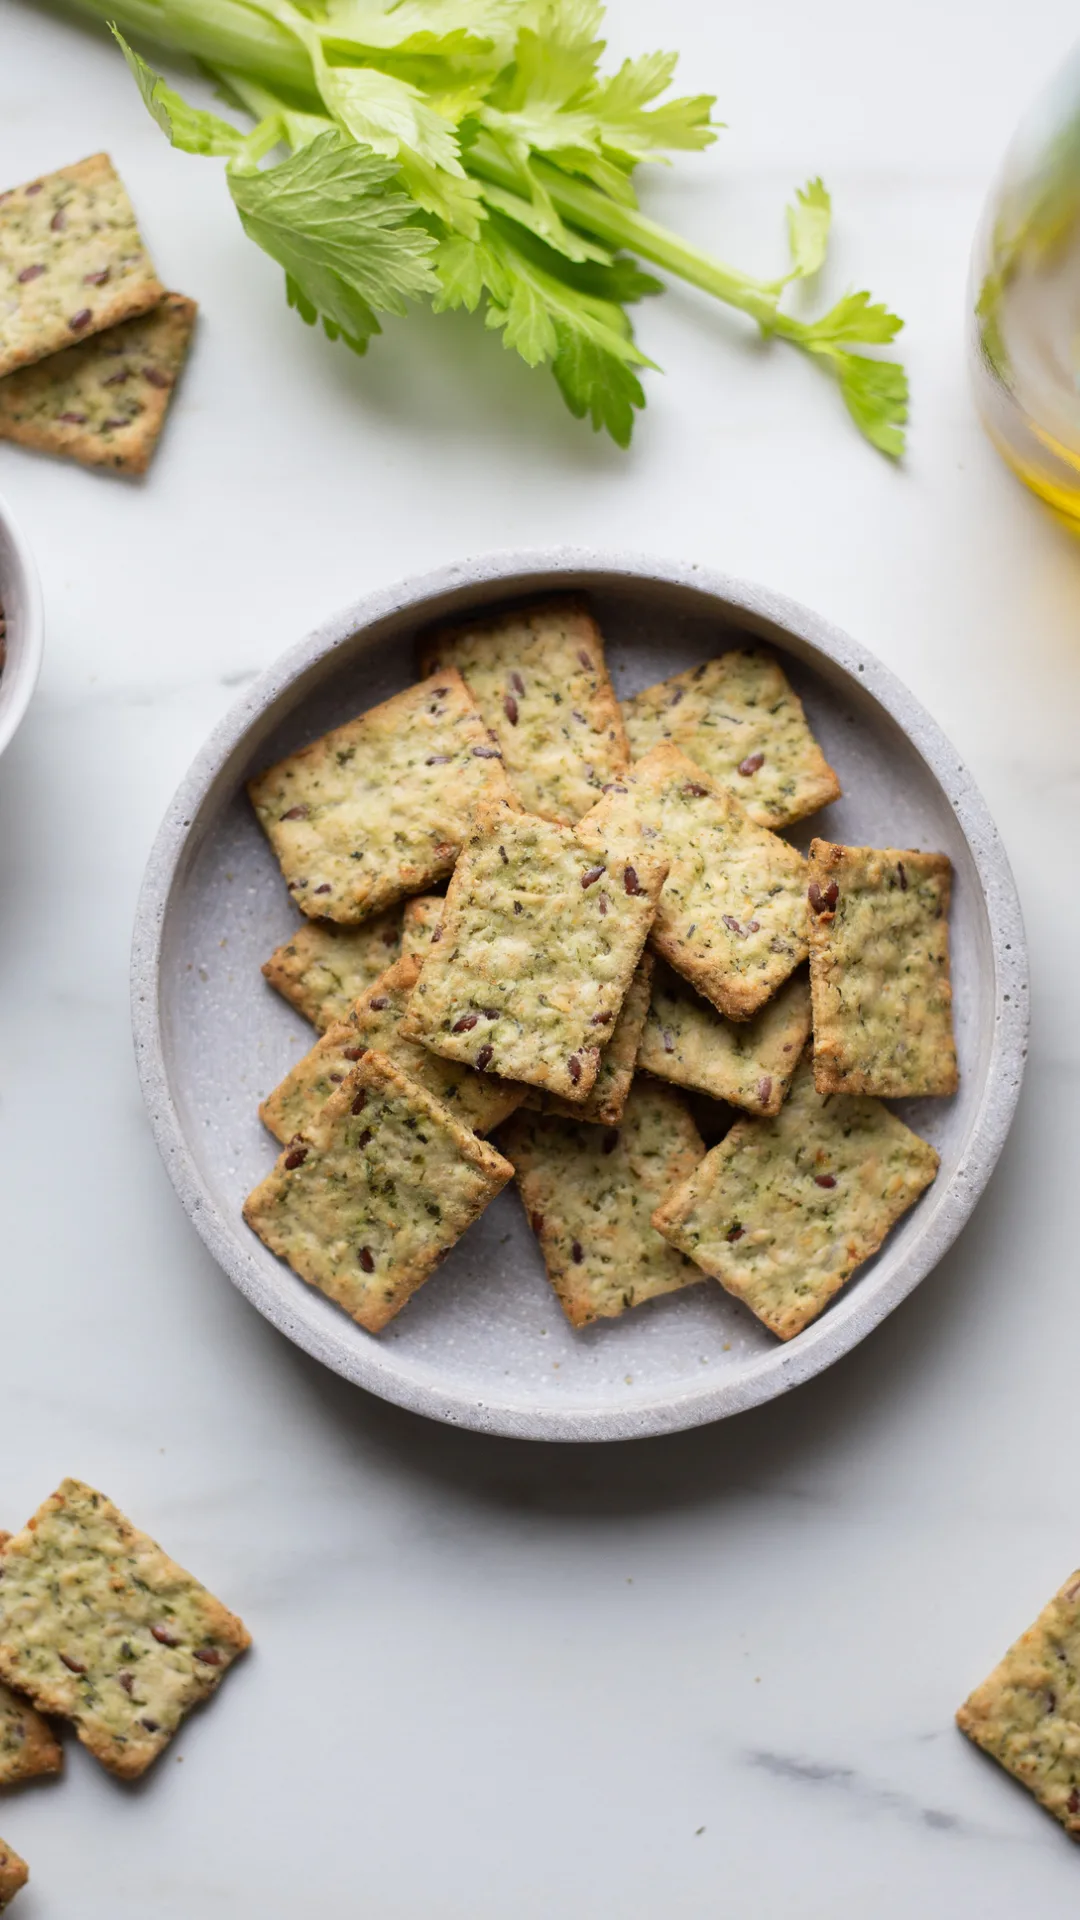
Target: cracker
[
  {"x": 478, "y": 1100},
  {"x": 732, "y": 916},
  {"x": 590, "y": 1192},
  {"x": 879, "y": 971},
  {"x": 539, "y": 677},
  {"x": 743, "y": 724},
  {"x": 382, "y": 806},
  {"x": 104, "y": 401},
  {"x": 604, "y": 1106},
  {"x": 322, "y": 968},
  {"x": 784, "y": 1210},
  {"x": 99, "y": 1625},
  {"x": 420, "y": 921},
  {"x": 1026, "y": 1715},
  {"x": 14, "y": 1873},
  {"x": 71, "y": 261},
  {"x": 384, "y": 1183},
  {"x": 748, "y": 1063},
  {"x": 28, "y": 1746},
  {"x": 539, "y": 943}
]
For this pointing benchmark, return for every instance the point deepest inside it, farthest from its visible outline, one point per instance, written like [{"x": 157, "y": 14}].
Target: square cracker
[
  {"x": 420, "y": 923},
  {"x": 784, "y": 1210},
  {"x": 104, "y": 401},
  {"x": 383, "y": 1184},
  {"x": 322, "y": 968},
  {"x": 28, "y": 1746},
  {"x": 381, "y": 806},
  {"x": 604, "y": 1106},
  {"x": 539, "y": 943},
  {"x": 748, "y": 1063},
  {"x": 71, "y": 261},
  {"x": 1026, "y": 1715},
  {"x": 478, "y": 1100},
  {"x": 14, "y": 1873},
  {"x": 540, "y": 679},
  {"x": 879, "y": 971},
  {"x": 743, "y": 724},
  {"x": 732, "y": 916},
  {"x": 99, "y": 1625},
  {"x": 589, "y": 1194}
]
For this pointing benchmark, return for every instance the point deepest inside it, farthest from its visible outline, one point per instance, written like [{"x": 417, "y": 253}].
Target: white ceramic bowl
[
  {"x": 20, "y": 598},
  {"x": 484, "y": 1343}
]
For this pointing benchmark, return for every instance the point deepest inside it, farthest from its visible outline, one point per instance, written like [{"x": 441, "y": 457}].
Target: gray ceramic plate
[{"x": 484, "y": 1344}]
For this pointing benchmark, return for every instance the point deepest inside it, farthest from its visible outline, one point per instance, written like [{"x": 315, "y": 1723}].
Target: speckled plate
[{"x": 484, "y": 1343}]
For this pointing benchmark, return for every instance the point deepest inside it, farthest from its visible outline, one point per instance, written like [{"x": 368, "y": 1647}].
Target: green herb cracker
[
  {"x": 71, "y": 261},
  {"x": 589, "y": 1193},
  {"x": 382, "y": 1185},
  {"x": 539, "y": 677},
  {"x": 741, "y": 722},
  {"x": 732, "y": 915},
  {"x": 748, "y": 1063},
  {"x": 97, "y": 1624},
  {"x": 540, "y": 939},
  {"x": 879, "y": 971},
  {"x": 28, "y": 1746},
  {"x": 478, "y": 1100},
  {"x": 14, "y": 1873},
  {"x": 380, "y": 807},
  {"x": 322, "y": 968},
  {"x": 102, "y": 402},
  {"x": 1027, "y": 1714},
  {"x": 784, "y": 1210},
  {"x": 604, "y": 1106}
]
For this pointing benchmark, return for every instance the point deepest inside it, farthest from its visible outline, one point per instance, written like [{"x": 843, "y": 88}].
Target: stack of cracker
[
  {"x": 624, "y": 936},
  {"x": 91, "y": 344}
]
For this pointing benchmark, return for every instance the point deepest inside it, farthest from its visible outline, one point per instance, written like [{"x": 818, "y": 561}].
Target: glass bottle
[{"x": 1025, "y": 299}]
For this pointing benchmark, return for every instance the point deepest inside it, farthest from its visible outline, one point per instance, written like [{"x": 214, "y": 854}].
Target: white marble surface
[{"x": 713, "y": 1674}]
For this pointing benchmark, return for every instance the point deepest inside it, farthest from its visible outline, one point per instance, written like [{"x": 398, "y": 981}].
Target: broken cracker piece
[
  {"x": 1026, "y": 1714},
  {"x": 14, "y": 1873}
]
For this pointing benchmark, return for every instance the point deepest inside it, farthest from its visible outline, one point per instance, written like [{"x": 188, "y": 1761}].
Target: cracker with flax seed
[
  {"x": 1026, "y": 1715},
  {"x": 783, "y": 1211},
  {"x": 540, "y": 679},
  {"x": 540, "y": 939},
  {"x": 381, "y": 806},
  {"x": 879, "y": 971},
  {"x": 742, "y": 723},
  {"x": 71, "y": 261},
  {"x": 478, "y": 1100},
  {"x": 420, "y": 923},
  {"x": 102, "y": 402},
  {"x": 28, "y": 1746},
  {"x": 748, "y": 1063},
  {"x": 14, "y": 1873},
  {"x": 322, "y": 968},
  {"x": 604, "y": 1106},
  {"x": 589, "y": 1193},
  {"x": 382, "y": 1185},
  {"x": 97, "y": 1624},
  {"x": 732, "y": 915}
]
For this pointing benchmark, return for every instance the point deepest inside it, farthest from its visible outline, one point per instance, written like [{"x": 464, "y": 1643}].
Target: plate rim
[{"x": 826, "y": 1340}]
